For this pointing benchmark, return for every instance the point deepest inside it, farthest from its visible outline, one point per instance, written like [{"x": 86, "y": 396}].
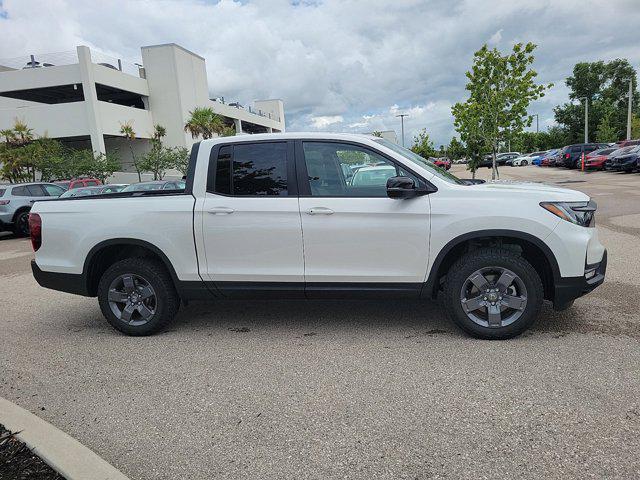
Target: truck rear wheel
[
  {"x": 493, "y": 293},
  {"x": 137, "y": 296}
]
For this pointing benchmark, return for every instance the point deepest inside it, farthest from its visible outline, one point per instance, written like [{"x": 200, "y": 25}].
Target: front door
[
  {"x": 251, "y": 222},
  {"x": 355, "y": 236}
]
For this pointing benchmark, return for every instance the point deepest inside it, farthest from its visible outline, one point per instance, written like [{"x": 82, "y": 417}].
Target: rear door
[
  {"x": 355, "y": 236},
  {"x": 251, "y": 221}
]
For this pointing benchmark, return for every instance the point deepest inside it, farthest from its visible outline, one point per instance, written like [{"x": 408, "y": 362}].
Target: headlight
[{"x": 580, "y": 213}]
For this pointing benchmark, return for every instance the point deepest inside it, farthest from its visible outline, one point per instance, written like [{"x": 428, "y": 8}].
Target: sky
[{"x": 341, "y": 66}]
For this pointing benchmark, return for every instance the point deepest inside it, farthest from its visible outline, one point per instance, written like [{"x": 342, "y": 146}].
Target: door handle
[
  {"x": 319, "y": 211},
  {"x": 221, "y": 210}
]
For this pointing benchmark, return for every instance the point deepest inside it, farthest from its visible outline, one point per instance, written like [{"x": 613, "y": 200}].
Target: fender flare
[{"x": 430, "y": 285}]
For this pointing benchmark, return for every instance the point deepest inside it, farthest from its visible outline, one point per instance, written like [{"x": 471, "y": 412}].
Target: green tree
[
  {"x": 87, "y": 163},
  {"x": 377, "y": 134},
  {"x": 180, "y": 159},
  {"x": 422, "y": 145},
  {"x": 501, "y": 87},
  {"x": 635, "y": 126},
  {"x": 456, "y": 149},
  {"x": 204, "y": 122},
  {"x": 606, "y": 131},
  {"x": 605, "y": 85}
]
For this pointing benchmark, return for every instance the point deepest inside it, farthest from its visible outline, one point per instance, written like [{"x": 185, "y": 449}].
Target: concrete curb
[{"x": 65, "y": 455}]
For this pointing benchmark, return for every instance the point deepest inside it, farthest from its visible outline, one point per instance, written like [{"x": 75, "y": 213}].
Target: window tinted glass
[
  {"x": 91, "y": 183},
  {"x": 36, "y": 190},
  {"x": 260, "y": 169},
  {"x": 590, "y": 148},
  {"x": 223, "y": 170},
  {"x": 342, "y": 170},
  {"x": 20, "y": 192},
  {"x": 576, "y": 149},
  {"x": 2, "y": 190},
  {"x": 54, "y": 190}
]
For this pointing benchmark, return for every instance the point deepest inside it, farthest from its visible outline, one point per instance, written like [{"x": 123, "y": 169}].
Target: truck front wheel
[
  {"x": 137, "y": 296},
  {"x": 493, "y": 293}
]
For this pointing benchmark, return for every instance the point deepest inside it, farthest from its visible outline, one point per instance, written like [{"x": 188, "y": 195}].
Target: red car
[
  {"x": 443, "y": 163},
  {"x": 78, "y": 183},
  {"x": 595, "y": 160}
]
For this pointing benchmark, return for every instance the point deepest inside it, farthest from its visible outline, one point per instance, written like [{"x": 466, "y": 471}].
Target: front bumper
[{"x": 567, "y": 289}]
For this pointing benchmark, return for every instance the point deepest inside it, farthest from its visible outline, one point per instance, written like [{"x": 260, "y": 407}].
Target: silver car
[{"x": 16, "y": 201}]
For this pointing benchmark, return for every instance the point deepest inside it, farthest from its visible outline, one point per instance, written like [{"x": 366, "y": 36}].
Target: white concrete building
[{"x": 83, "y": 98}]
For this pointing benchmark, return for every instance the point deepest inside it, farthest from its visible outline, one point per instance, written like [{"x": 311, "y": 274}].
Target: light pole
[
  {"x": 629, "y": 109},
  {"x": 537, "y": 125},
  {"x": 586, "y": 118},
  {"x": 402, "y": 115}
]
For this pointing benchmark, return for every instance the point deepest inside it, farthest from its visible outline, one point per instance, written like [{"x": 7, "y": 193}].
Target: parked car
[
  {"x": 273, "y": 216},
  {"x": 501, "y": 159},
  {"x": 442, "y": 163},
  {"x": 596, "y": 159},
  {"x": 616, "y": 153},
  {"x": 16, "y": 201},
  {"x": 113, "y": 187},
  {"x": 545, "y": 160},
  {"x": 571, "y": 156},
  {"x": 529, "y": 159},
  {"x": 77, "y": 183},
  {"x": 366, "y": 176},
  {"x": 155, "y": 185},
  {"x": 509, "y": 156},
  {"x": 626, "y": 143},
  {"x": 627, "y": 162}
]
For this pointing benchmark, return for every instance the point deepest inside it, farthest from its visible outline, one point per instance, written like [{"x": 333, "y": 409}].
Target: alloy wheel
[
  {"x": 493, "y": 297},
  {"x": 132, "y": 299}
]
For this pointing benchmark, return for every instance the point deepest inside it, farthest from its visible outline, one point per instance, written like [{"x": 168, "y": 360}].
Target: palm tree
[
  {"x": 9, "y": 135},
  {"x": 158, "y": 132},
  {"x": 204, "y": 122},
  {"x": 127, "y": 131},
  {"x": 22, "y": 132}
]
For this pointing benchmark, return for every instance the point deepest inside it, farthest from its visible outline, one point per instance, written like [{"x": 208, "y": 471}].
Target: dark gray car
[{"x": 16, "y": 201}]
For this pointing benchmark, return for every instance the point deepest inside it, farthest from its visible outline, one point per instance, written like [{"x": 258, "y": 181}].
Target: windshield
[
  {"x": 142, "y": 187},
  {"x": 422, "y": 162}
]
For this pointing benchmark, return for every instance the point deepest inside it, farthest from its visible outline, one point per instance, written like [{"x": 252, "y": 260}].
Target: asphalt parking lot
[{"x": 384, "y": 389}]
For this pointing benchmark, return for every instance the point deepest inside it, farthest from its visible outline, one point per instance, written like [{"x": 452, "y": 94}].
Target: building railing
[
  {"x": 40, "y": 60},
  {"x": 248, "y": 109},
  {"x": 43, "y": 60}
]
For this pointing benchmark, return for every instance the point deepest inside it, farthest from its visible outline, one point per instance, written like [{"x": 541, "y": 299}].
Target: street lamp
[
  {"x": 402, "y": 115},
  {"x": 586, "y": 118},
  {"x": 537, "y": 126}
]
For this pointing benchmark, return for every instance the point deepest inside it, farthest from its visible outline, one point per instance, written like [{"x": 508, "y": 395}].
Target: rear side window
[
  {"x": 253, "y": 169},
  {"x": 590, "y": 148},
  {"x": 54, "y": 190},
  {"x": 576, "y": 149},
  {"x": 20, "y": 191},
  {"x": 36, "y": 190},
  {"x": 2, "y": 190}
]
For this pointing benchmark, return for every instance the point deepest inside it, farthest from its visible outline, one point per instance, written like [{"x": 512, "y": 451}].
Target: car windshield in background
[
  {"x": 422, "y": 162},
  {"x": 621, "y": 151},
  {"x": 604, "y": 151},
  {"x": 81, "y": 192}
]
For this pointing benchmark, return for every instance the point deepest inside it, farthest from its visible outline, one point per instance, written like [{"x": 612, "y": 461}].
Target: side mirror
[{"x": 402, "y": 187}]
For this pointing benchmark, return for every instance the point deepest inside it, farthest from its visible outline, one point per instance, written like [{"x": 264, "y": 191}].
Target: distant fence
[{"x": 43, "y": 60}]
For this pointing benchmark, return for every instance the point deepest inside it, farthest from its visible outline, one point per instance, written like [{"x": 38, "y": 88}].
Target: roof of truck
[{"x": 293, "y": 136}]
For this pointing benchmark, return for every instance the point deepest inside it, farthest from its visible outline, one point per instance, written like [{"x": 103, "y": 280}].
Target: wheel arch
[
  {"x": 107, "y": 252},
  {"x": 19, "y": 211},
  {"x": 532, "y": 248}
]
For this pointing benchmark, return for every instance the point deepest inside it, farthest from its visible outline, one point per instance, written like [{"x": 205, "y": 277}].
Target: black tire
[
  {"x": 471, "y": 262},
  {"x": 21, "y": 224},
  {"x": 166, "y": 299},
  {"x": 524, "y": 163}
]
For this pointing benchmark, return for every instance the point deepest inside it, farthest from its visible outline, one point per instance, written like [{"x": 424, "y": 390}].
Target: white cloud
[
  {"x": 348, "y": 59},
  {"x": 325, "y": 121}
]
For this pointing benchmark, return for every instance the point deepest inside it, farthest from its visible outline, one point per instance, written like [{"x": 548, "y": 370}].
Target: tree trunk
[{"x": 494, "y": 170}]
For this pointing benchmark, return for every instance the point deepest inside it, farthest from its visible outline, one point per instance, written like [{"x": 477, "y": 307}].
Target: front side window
[
  {"x": 343, "y": 170},
  {"x": 252, "y": 169}
]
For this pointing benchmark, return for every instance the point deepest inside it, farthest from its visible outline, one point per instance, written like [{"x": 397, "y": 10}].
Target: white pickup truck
[{"x": 316, "y": 216}]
